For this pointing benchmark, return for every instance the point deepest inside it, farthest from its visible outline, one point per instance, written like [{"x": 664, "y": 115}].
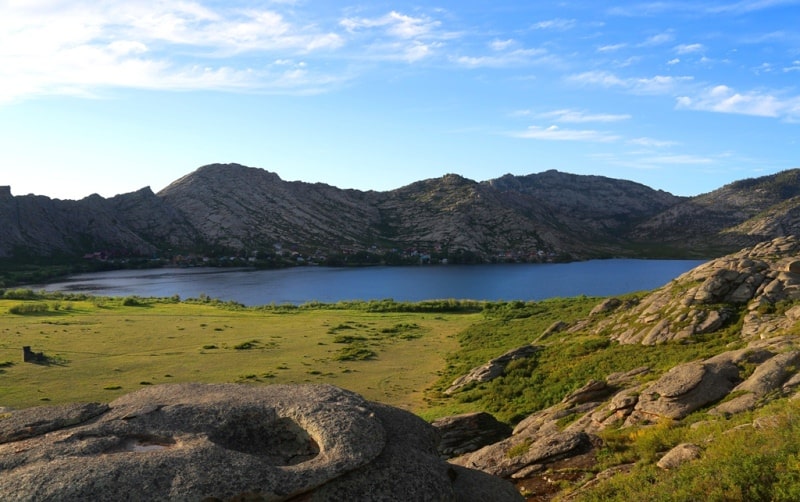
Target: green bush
[
  {"x": 348, "y": 338},
  {"x": 251, "y": 344},
  {"x": 29, "y": 308},
  {"x": 132, "y": 301},
  {"x": 355, "y": 352}
]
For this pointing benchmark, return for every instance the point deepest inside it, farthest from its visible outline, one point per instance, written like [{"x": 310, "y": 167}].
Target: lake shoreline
[{"x": 303, "y": 284}]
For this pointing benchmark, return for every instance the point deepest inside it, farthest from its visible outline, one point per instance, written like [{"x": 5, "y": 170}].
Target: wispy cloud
[
  {"x": 554, "y": 133},
  {"x": 689, "y": 48},
  {"x": 659, "y": 84},
  {"x": 656, "y": 8},
  {"x": 499, "y": 58},
  {"x": 794, "y": 67},
  {"x": 396, "y": 24},
  {"x": 80, "y": 47},
  {"x": 599, "y": 78},
  {"x": 555, "y": 24},
  {"x": 682, "y": 159},
  {"x": 578, "y": 117},
  {"x": 747, "y": 6},
  {"x": 652, "y": 143},
  {"x": 611, "y": 47},
  {"x": 724, "y": 99},
  {"x": 643, "y": 9},
  {"x": 658, "y": 39},
  {"x": 399, "y": 36}
]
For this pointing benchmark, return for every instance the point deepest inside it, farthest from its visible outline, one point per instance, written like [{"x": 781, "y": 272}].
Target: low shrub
[
  {"x": 355, "y": 353},
  {"x": 29, "y": 308},
  {"x": 251, "y": 344}
]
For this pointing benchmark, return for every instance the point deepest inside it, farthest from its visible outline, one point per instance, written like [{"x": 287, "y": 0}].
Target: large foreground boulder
[{"x": 228, "y": 441}]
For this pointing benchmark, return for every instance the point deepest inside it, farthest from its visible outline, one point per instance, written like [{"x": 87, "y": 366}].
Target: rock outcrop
[
  {"x": 756, "y": 283},
  {"x": 492, "y": 369},
  {"x": 562, "y": 440},
  {"x": 679, "y": 455},
  {"x": 468, "y": 432},
  {"x": 228, "y": 441}
]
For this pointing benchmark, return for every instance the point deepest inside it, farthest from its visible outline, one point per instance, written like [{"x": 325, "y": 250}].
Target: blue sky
[{"x": 109, "y": 96}]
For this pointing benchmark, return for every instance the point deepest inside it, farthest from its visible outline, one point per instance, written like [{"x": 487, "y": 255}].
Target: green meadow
[
  {"x": 96, "y": 349},
  {"x": 404, "y": 354}
]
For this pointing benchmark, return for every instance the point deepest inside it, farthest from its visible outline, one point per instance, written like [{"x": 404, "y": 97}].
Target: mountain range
[{"x": 234, "y": 210}]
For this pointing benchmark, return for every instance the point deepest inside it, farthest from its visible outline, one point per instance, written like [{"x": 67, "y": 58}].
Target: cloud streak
[
  {"x": 579, "y": 117},
  {"x": 723, "y": 99},
  {"x": 79, "y": 47},
  {"x": 554, "y": 133},
  {"x": 659, "y": 84}
]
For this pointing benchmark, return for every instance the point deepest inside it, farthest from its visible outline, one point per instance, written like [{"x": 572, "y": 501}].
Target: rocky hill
[
  {"x": 229, "y": 209},
  {"x": 650, "y": 432},
  {"x": 737, "y": 215}
]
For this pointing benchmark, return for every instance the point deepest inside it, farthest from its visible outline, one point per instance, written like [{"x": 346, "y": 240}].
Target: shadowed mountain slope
[{"x": 229, "y": 208}]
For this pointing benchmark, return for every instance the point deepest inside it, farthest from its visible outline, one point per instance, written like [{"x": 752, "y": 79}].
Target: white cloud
[
  {"x": 659, "y": 39},
  {"x": 555, "y": 24},
  {"x": 81, "y": 46},
  {"x": 659, "y": 84},
  {"x": 689, "y": 48},
  {"x": 396, "y": 24},
  {"x": 795, "y": 67},
  {"x": 554, "y": 133},
  {"x": 578, "y": 117},
  {"x": 746, "y": 6},
  {"x": 503, "y": 59},
  {"x": 652, "y": 143},
  {"x": 636, "y": 9},
  {"x": 611, "y": 47},
  {"x": 398, "y": 37},
  {"x": 597, "y": 77},
  {"x": 673, "y": 61},
  {"x": 678, "y": 159},
  {"x": 501, "y": 45},
  {"x": 723, "y": 99}
]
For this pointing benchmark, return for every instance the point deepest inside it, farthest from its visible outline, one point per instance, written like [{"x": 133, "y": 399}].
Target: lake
[{"x": 329, "y": 285}]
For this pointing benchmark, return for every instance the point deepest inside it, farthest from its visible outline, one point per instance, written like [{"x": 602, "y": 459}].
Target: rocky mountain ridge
[{"x": 229, "y": 209}]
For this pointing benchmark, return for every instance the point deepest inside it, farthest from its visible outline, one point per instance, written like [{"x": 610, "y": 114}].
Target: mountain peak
[{"x": 232, "y": 208}]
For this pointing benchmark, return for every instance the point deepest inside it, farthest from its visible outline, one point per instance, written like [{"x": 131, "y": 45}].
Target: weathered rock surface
[
  {"x": 685, "y": 452},
  {"x": 508, "y": 458},
  {"x": 684, "y": 389},
  {"x": 226, "y": 441},
  {"x": 467, "y": 432},
  {"x": 492, "y": 369},
  {"x": 23, "y": 424},
  {"x": 755, "y": 281}
]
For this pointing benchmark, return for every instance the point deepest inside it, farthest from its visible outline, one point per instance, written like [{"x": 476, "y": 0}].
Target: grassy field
[{"x": 98, "y": 349}]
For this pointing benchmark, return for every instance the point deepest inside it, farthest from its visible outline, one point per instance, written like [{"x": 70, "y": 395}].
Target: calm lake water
[{"x": 330, "y": 285}]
